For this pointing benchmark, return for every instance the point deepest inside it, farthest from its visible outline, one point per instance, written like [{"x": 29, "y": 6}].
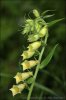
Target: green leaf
[
  {"x": 54, "y": 22},
  {"x": 46, "y": 12},
  {"x": 48, "y": 58},
  {"x": 30, "y": 80},
  {"x": 47, "y": 16},
  {"x": 44, "y": 88}
]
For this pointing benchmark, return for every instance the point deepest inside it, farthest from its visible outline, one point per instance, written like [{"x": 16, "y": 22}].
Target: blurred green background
[{"x": 12, "y": 42}]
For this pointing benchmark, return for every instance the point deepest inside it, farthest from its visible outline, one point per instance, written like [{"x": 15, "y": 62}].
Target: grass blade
[{"x": 44, "y": 88}]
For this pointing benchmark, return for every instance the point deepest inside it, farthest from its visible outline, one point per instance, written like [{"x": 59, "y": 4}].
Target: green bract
[{"x": 33, "y": 37}]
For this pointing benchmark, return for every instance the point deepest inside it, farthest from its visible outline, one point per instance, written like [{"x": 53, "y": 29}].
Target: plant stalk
[{"x": 37, "y": 69}]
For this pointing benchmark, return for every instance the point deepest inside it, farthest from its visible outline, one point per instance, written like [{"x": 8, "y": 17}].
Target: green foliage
[
  {"x": 7, "y": 28},
  {"x": 54, "y": 22},
  {"x": 30, "y": 80},
  {"x": 12, "y": 44},
  {"x": 45, "y": 62},
  {"x": 48, "y": 16},
  {"x": 45, "y": 12}
]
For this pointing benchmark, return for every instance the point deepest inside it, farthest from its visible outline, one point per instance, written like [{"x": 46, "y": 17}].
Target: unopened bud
[
  {"x": 43, "y": 31},
  {"x": 36, "y": 13},
  {"x": 34, "y": 45},
  {"x": 33, "y": 37}
]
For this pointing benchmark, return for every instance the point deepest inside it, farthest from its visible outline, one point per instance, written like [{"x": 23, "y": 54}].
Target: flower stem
[{"x": 37, "y": 69}]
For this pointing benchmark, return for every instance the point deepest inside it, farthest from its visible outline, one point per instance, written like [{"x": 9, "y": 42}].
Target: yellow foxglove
[
  {"x": 29, "y": 64},
  {"x": 34, "y": 45},
  {"x": 27, "y": 54},
  {"x": 43, "y": 31},
  {"x": 17, "y": 88},
  {"x": 22, "y": 76}
]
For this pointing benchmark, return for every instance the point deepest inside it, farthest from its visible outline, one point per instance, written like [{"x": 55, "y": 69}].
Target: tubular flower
[
  {"x": 29, "y": 64},
  {"x": 22, "y": 76},
  {"x": 33, "y": 37},
  {"x": 34, "y": 45},
  {"x": 17, "y": 88},
  {"x": 43, "y": 31},
  {"x": 27, "y": 54},
  {"x": 36, "y": 13}
]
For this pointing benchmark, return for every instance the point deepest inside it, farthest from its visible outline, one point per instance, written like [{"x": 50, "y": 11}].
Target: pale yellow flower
[
  {"x": 43, "y": 31},
  {"x": 22, "y": 76},
  {"x": 34, "y": 45},
  {"x": 33, "y": 37},
  {"x": 27, "y": 54},
  {"x": 29, "y": 64},
  {"x": 17, "y": 88}
]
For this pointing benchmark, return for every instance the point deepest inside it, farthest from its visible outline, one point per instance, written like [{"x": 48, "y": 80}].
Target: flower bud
[
  {"x": 34, "y": 46},
  {"x": 36, "y": 13},
  {"x": 26, "y": 29},
  {"x": 43, "y": 31},
  {"x": 28, "y": 26},
  {"x": 29, "y": 64},
  {"x": 37, "y": 26},
  {"x": 30, "y": 21},
  {"x": 27, "y": 54},
  {"x": 22, "y": 76},
  {"x": 33, "y": 37},
  {"x": 17, "y": 88}
]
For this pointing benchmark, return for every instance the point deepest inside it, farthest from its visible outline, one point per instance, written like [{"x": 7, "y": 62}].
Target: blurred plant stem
[
  {"x": 37, "y": 69},
  {"x": 44, "y": 88}
]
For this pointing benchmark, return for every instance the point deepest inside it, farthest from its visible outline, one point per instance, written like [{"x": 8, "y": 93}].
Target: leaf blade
[
  {"x": 54, "y": 22},
  {"x": 47, "y": 16},
  {"x": 30, "y": 80},
  {"x": 46, "y": 12},
  {"x": 48, "y": 58}
]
